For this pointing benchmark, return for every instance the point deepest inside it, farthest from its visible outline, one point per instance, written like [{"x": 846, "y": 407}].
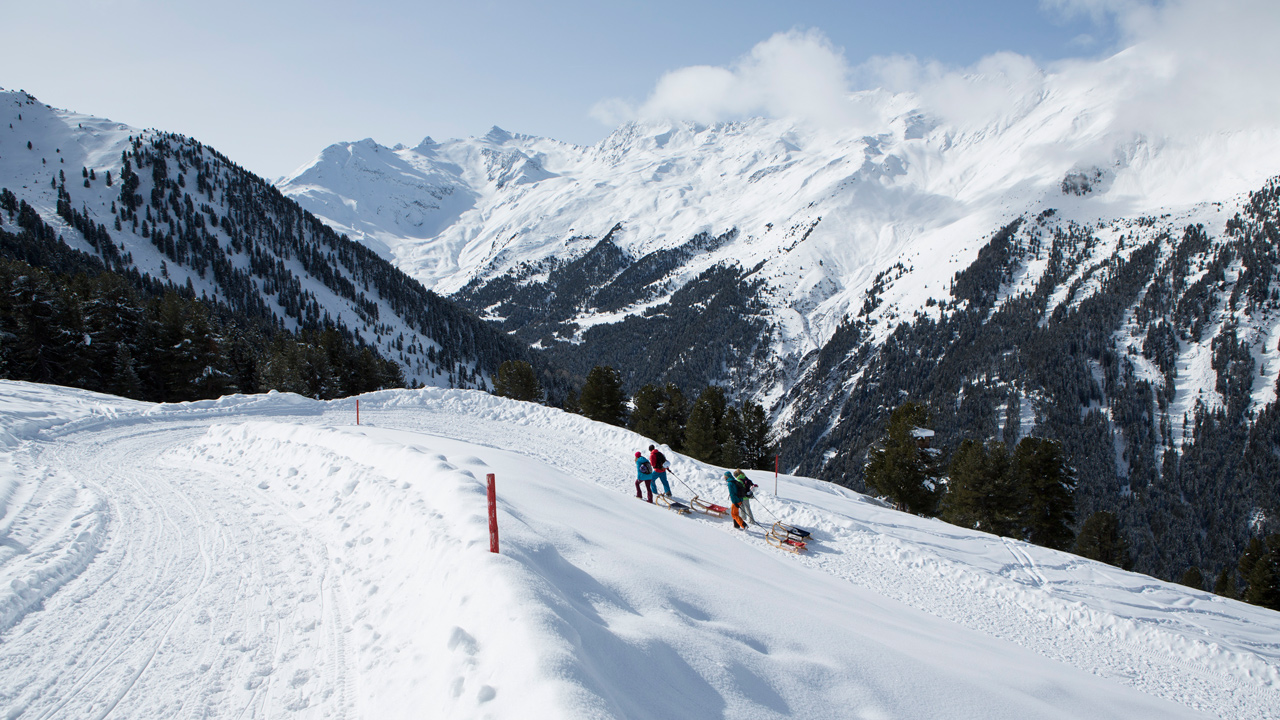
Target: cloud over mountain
[{"x": 1186, "y": 66}]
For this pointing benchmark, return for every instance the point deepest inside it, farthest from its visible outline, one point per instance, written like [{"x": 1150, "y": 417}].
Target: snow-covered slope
[
  {"x": 266, "y": 557},
  {"x": 176, "y": 211}
]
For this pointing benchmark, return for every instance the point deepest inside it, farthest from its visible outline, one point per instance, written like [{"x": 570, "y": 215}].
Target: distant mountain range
[{"x": 1045, "y": 272}]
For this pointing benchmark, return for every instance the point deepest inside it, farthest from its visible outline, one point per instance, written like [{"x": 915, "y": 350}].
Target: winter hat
[
  {"x": 637, "y": 453},
  {"x": 728, "y": 474},
  {"x": 650, "y": 447}
]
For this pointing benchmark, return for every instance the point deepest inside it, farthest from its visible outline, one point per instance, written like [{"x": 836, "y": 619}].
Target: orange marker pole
[{"x": 493, "y": 515}]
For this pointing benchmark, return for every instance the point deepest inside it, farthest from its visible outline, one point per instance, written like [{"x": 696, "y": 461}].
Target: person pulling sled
[
  {"x": 658, "y": 462},
  {"x": 747, "y": 491},
  {"x": 735, "y": 500}
]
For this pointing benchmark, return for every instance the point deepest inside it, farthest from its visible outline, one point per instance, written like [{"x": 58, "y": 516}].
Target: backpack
[
  {"x": 659, "y": 460},
  {"x": 745, "y": 483},
  {"x": 645, "y": 467}
]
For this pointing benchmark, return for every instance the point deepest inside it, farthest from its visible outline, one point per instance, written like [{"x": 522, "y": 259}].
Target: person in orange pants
[{"x": 735, "y": 499}]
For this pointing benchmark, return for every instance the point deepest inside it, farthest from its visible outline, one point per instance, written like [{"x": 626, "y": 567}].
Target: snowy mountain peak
[{"x": 498, "y": 136}]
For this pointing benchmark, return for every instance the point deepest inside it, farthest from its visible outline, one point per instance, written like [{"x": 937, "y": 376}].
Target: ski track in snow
[
  {"x": 170, "y": 563},
  {"x": 189, "y": 607}
]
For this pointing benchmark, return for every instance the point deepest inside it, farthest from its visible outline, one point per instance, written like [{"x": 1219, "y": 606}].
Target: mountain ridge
[
  {"x": 846, "y": 246},
  {"x": 177, "y": 211}
]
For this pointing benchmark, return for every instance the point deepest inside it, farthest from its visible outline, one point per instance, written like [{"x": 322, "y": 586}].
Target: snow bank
[{"x": 27, "y": 408}]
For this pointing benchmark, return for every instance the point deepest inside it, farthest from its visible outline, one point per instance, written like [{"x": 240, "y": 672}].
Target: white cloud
[
  {"x": 1187, "y": 66},
  {"x": 796, "y": 74},
  {"x": 1208, "y": 65}
]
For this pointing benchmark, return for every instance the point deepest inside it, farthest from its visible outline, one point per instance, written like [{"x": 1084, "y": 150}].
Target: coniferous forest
[{"x": 66, "y": 319}]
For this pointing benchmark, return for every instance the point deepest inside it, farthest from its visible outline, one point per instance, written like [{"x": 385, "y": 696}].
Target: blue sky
[{"x": 272, "y": 83}]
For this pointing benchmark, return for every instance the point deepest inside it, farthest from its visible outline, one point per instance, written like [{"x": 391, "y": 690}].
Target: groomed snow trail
[
  {"x": 263, "y": 558},
  {"x": 191, "y": 596}
]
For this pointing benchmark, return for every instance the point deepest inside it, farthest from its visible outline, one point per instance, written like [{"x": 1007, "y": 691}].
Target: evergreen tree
[
  {"x": 517, "y": 380},
  {"x": 124, "y": 374},
  {"x": 602, "y": 398},
  {"x": 1264, "y": 582},
  {"x": 1100, "y": 539},
  {"x": 673, "y": 413},
  {"x": 1260, "y": 566},
  {"x": 729, "y": 435},
  {"x": 757, "y": 448},
  {"x": 1252, "y": 552},
  {"x": 899, "y": 468},
  {"x": 1047, "y": 486},
  {"x": 980, "y": 491},
  {"x": 702, "y": 432},
  {"x": 1193, "y": 578},
  {"x": 645, "y": 407},
  {"x": 1224, "y": 585},
  {"x": 281, "y": 369}
]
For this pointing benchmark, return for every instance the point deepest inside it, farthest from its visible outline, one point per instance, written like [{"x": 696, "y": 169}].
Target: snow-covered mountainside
[
  {"x": 264, "y": 556},
  {"x": 809, "y": 218},
  {"x": 177, "y": 211},
  {"x": 832, "y": 274}
]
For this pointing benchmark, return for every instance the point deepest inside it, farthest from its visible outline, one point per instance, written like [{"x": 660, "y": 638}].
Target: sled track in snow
[{"x": 201, "y": 593}]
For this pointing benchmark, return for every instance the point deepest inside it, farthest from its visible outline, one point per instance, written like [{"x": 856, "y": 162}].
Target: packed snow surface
[{"x": 265, "y": 556}]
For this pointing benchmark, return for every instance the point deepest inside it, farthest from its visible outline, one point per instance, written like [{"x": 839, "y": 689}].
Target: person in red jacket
[{"x": 658, "y": 462}]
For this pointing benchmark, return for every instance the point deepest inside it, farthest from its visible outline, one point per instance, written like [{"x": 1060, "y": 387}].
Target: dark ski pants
[{"x": 648, "y": 485}]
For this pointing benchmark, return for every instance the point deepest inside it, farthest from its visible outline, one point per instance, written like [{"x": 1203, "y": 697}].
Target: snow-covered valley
[{"x": 264, "y": 556}]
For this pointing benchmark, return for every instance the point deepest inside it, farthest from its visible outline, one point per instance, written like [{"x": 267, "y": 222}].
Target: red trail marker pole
[{"x": 493, "y": 515}]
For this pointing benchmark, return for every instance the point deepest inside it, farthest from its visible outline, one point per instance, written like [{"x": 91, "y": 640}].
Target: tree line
[
  {"x": 710, "y": 428},
  {"x": 1025, "y": 494},
  {"x": 71, "y": 321},
  {"x": 1028, "y": 493}
]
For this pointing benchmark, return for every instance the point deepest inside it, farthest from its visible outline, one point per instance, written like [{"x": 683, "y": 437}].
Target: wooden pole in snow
[
  {"x": 357, "y": 411},
  {"x": 775, "y": 476},
  {"x": 493, "y": 515}
]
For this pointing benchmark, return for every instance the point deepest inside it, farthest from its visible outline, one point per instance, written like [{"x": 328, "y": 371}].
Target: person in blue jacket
[
  {"x": 735, "y": 499},
  {"x": 644, "y": 474}
]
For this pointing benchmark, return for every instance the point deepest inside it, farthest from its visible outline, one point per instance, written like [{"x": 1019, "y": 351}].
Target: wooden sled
[
  {"x": 792, "y": 531},
  {"x": 707, "y": 508},
  {"x": 672, "y": 504},
  {"x": 780, "y": 537}
]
